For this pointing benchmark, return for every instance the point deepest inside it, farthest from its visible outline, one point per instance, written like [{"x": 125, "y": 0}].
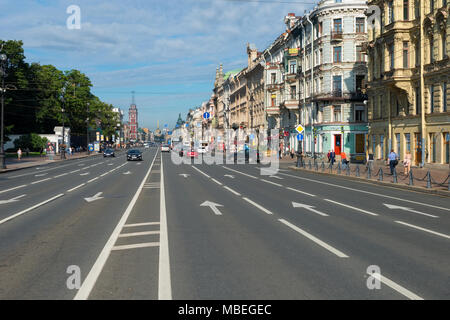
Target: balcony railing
[{"x": 336, "y": 35}]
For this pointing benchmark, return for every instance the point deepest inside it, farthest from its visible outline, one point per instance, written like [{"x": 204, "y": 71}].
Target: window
[
  {"x": 337, "y": 86},
  {"x": 292, "y": 66},
  {"x": 381, "y": 146},
  {"x": 391, "y": 11},
  {"x": 405, "y": 55},
  {"x": 433, "y": 147},
  {"x": 408, "y": 141},
  {"x": 431, "y": 49},
  {"x": 446, "y": 139},
  {"x": 397, "y": 141},
  {"x": 391, "y": 56},
  {"x": 374, "y": 145},
  {"x": 273, "y": 77},
  {"x": 337, "y": 54},
  {"x": 293, "y": 92},
  {"x": 320, "y": 29},
  {"x": 359, "y": 83},
  {"x": 360, "y": 25},
  {"x": 444, "y": 97},
  {"x": 431, "y": 98},
  {"x": 359, "y": 54},
  {"x": 360, "y": 114},
  {"x": 337, "y": 25},
  {"x": 418, "y": 102},
  {"x": 273, "y": 98},
  {"x": 417, "y": 53},
  {"x": 336, "y": 113},
  {"x": 405, "y": 10}
]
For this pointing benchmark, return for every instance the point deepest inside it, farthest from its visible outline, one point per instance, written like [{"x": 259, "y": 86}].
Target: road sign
[
  {"x": 299, "y": 128},
  {"x": 206, "y": 115},
  {"x": 300, "y": 137},
  {"x": 91, "y": 147}
]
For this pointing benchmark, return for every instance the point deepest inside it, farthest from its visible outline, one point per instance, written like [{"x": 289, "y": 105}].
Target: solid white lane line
[
  {"x": 76, "y": 187},
  {"x": 267, "y": 181},
  {"x": 41, "y": 181},
  {"x": 61, "y": 175},
  {"x": 350, "y": 207},
  {"x": 164, "y": 280},
  {"x": 137, "y": 234},
  {"x": 84, "y": 174},
  {"x": 41, "y": 175},
  {"x": 302, "y": 192},
  {"x": 395, "y": 286},
  {"x": 74, "y": 171},
  {"x": 201, "y": 172},
  {"x": 15, "y": 188},
  {"x": 231, "y": 190},
  {"x": 92, "y": 180},
  {"x": 135, "y": 246},
  {"x": 367, "y": 192},
  {"x": 104, "y": 174},
  {"x": 31, "y": 208},
  {"x": 257, "y": 205},
  {"x": 250, "y": 176},
  {"x": 218, "y": 182},
  {"x": 340, "y": 254},
  {"x": 423, "y": 229},
  {"x": 88, "y": 284},
  {"x": 141, "y": 224}
]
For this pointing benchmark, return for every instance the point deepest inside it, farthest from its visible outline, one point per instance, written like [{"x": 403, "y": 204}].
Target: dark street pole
[
  {"x": 63, "y": 155},
  {"x": 3, "y": 58},
  {"x": 87, "y": 129}
]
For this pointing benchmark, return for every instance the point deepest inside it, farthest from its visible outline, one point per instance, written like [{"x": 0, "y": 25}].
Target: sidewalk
[
  {"x": 439, "y": 178},
  {"x": 13, "y": 164}
]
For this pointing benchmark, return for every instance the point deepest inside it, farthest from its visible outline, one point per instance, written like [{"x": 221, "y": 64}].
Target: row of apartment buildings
[{"x": 354, "y": 80}]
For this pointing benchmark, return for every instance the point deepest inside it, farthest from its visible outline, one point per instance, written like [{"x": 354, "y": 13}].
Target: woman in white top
[{"x": 407, "y": 163}]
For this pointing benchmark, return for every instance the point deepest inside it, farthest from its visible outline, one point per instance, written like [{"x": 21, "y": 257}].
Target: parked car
[
  {"x": 165, "y": 148},
  {"x": 109, "y": 153},
  {"x": 134, "y": 154}
]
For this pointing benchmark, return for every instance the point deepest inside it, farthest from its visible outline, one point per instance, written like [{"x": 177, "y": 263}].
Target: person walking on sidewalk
[
  {"x": 332, "y": 157},
  {"x": 329, "y": 156},
  {"x": 19, "y": 154},
  {"x": 344, "y": 160},
  {"x": 407, "y": 163},
  {"x": 393, "y": 161}
]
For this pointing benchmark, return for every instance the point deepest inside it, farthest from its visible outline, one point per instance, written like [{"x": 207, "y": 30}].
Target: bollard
[
  {"x": 411, "y": 178},
  {"x": 380, "y": 174},
  {"x": 348, "y": 170},
  {"x": 316, "y": 165},
  {"x": 309, "y": 165},
  {"x": 339, "y": 168},
  {"x": 428, "y": 180},
  {"x": 304, "y": 164},
  {"x": 357, "y": 170},
  {"x": 369, "y": 172},
  {"x": 323, "y": 166},
  {"x": 395, "y": 176}
]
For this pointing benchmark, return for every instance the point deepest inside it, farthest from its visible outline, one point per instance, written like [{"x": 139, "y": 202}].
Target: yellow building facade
[{"x": 409, "y": 80}]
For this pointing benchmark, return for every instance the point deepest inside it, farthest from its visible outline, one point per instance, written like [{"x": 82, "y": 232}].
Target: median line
[
  {"x": 30, "y": 209},
  {"x": 201, "y": 172},
  {"x": 232, "y": 191},
  {"x": 423, "y": 229},
  {"x": 340, "y": 254},
  {"x": 76, "y": 187}
]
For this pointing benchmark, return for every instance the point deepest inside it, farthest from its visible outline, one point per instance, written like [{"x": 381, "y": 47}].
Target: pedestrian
[
  {"x": 329, "y": 155},
  {"x": 19, "y": 154},
  {"x": 344, "y": 160},
  {"x": 280, "y": 151},
  {"x": 292, "y": 153},
  {"x": 407, "y": 163},
  {"x": 332, "y": 157},
  {"x": 393, "y": 161},
  {"x": 370, "y": 159}
]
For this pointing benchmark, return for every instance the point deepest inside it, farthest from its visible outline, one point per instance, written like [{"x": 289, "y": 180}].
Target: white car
[{"x": 165, "y": 148}]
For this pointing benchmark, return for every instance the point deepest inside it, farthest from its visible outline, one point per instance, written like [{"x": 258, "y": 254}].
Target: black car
[
  {"x": 109, "y": 153},
  {"x": 134, "y": 154}
]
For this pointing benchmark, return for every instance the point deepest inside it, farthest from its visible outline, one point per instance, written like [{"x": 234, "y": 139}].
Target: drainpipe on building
[
  {"x": 313, "y": 146},
  {"x": 304, "y": 81},
  {"x": 422, "y": 84}
]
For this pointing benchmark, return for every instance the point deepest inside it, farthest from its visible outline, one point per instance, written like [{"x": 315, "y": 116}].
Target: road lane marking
[
  {"x": 70, "y": 190},
  {"x": 394, "y": 207},
  {"x": 423, "y": 229},
  {"x": 74, "y": 171},
  {"x": 201, "y": 172},
  {"x": 84, "y": 174},
  {"x": 30, "y": 209},
  {"x": 92, "y": 180},
  {"x": 308, "y": 207},
  {"x": 218, "y": 182},
  {"x": 350, "y": 207},
  {"x": 61, "y": 175},
  {"x": 302, "y": 192},
  {"x": 137, "y": 234},
  {"x": 15, "y": 188},
  {"x": 367, "y": 192},
  {"x": 340, "y": 254},
  {"x": 164, "y": 280},
  {"x": 395, "y": 286},
  {"x": 88, "y": 284},
  {"x": 135, "y": 246},
  {"x": 213, "y": 207},
  {"x": 15, "y": 199},
  {"x": 141, "y": 224},
  {"x": 96, "y": 197},
  {"x": 41, "y": 175},
  {"x": 267, "y": 181},
  {"x": 248, "y": 175},
  {"x": 41, "y": 181},
  {"x": 257, "y": 205},
  {"x": 231, "y": 190}
]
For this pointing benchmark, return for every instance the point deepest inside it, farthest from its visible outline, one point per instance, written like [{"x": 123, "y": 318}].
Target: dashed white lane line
[
  {"x": 257, "y": 205},
  {"x": 70, "y": 190},
  {"x": 41, "y": 181},
  {"x": 340, "y": 254},
  {"x": 423, "y": 229},
  {"x": 275, "y": 184},
  {"x": 300, "y": 191},
  {"x": 15, "y": 188},
  {"x": 137, "y": 234},
  {"x": 92, "y": 180},
  {"x": 351, "y": 207},
  {"x": 218, "y": 182},
  {"x": 134, "y": 246},
  {"x": 231, "y": 190},
  {"x": 30, "y": 209},
  {"x": 248, "y": 175},
  {"x": 61, "y": 175},
  {"x": 88, "y": 284},
  {"x": 201, "y": 172},
  {"x": 396, "y": 287},
  {"x": 141, "y": 224},
  {"x": 74, "y": 171}
]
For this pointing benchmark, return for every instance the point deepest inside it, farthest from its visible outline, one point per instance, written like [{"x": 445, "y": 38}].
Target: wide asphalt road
[{"x": 110, "y": 229}]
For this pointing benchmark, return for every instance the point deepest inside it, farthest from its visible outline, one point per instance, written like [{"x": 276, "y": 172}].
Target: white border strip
[{"x": 396, "y": 286}]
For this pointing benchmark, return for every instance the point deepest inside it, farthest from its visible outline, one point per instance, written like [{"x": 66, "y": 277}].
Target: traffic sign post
[
  {"x": 206, "y": 115},
  {"x": 299, "y": 128}
]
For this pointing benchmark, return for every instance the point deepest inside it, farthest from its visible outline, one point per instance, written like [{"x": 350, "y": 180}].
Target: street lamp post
[
  {"x": 63, "y": 149},
  {"x": 3, "y": 59},
  {"x": 87, "y": 129}
]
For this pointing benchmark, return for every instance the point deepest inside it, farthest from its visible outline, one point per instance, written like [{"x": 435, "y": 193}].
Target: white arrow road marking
[
  {"x": 110, "y": 164},
  {"x": 94, "y": 198},
  {"x": 184, "y": 175},
  {"x": 128, "y": 172},
  {"x": 41, "y": 175},
  {"x": 394, "y": 207},
  {"x": 276, "y": 177},
  {"x": 310, "y": 208},
  {"x": 229, "y": 176},
  {"x": 213, "y": 207},
  {"x": 12, "y": 200},
  {"x": 84, "y": 174}
]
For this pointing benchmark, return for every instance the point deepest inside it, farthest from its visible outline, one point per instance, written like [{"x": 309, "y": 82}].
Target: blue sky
[{"x": 166, "y": 51}]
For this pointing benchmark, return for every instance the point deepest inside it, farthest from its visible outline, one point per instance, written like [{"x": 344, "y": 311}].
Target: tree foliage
[{"x": 31, "y": 141}]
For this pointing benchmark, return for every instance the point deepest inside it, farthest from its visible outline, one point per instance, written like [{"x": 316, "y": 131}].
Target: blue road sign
[
  {"x": 91, "y": 147},
  {"x": 300, "y": 137},
  {"x": 206, "y": 115}
]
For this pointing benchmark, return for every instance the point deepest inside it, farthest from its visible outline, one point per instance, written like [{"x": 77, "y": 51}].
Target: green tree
[{"x": 31, "y": 141}]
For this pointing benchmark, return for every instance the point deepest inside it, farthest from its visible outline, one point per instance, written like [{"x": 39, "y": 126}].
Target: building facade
[
  {"x": 409, "y": 73},
  {"x": 133, "y": 122}
]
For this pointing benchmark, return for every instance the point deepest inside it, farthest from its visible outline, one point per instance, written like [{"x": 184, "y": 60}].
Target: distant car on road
[
  {"x": 134, "y": 154},
  {"x": 165, "y": 148},
  {"x": 109, "y": 153},
  {"x": 192, "y": 153}
]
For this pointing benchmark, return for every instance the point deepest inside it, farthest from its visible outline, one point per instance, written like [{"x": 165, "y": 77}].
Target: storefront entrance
[{"x": 337, "y": 144}]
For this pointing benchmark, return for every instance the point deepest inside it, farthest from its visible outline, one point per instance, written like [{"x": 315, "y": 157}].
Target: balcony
[
  {"x": 358, "y": 96},
  {"x": 291, "y": 77},
  {"x": 335, "y": 95},
  {"x": 272, "y": 86},
  {"x": 337, "y": 35}
]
